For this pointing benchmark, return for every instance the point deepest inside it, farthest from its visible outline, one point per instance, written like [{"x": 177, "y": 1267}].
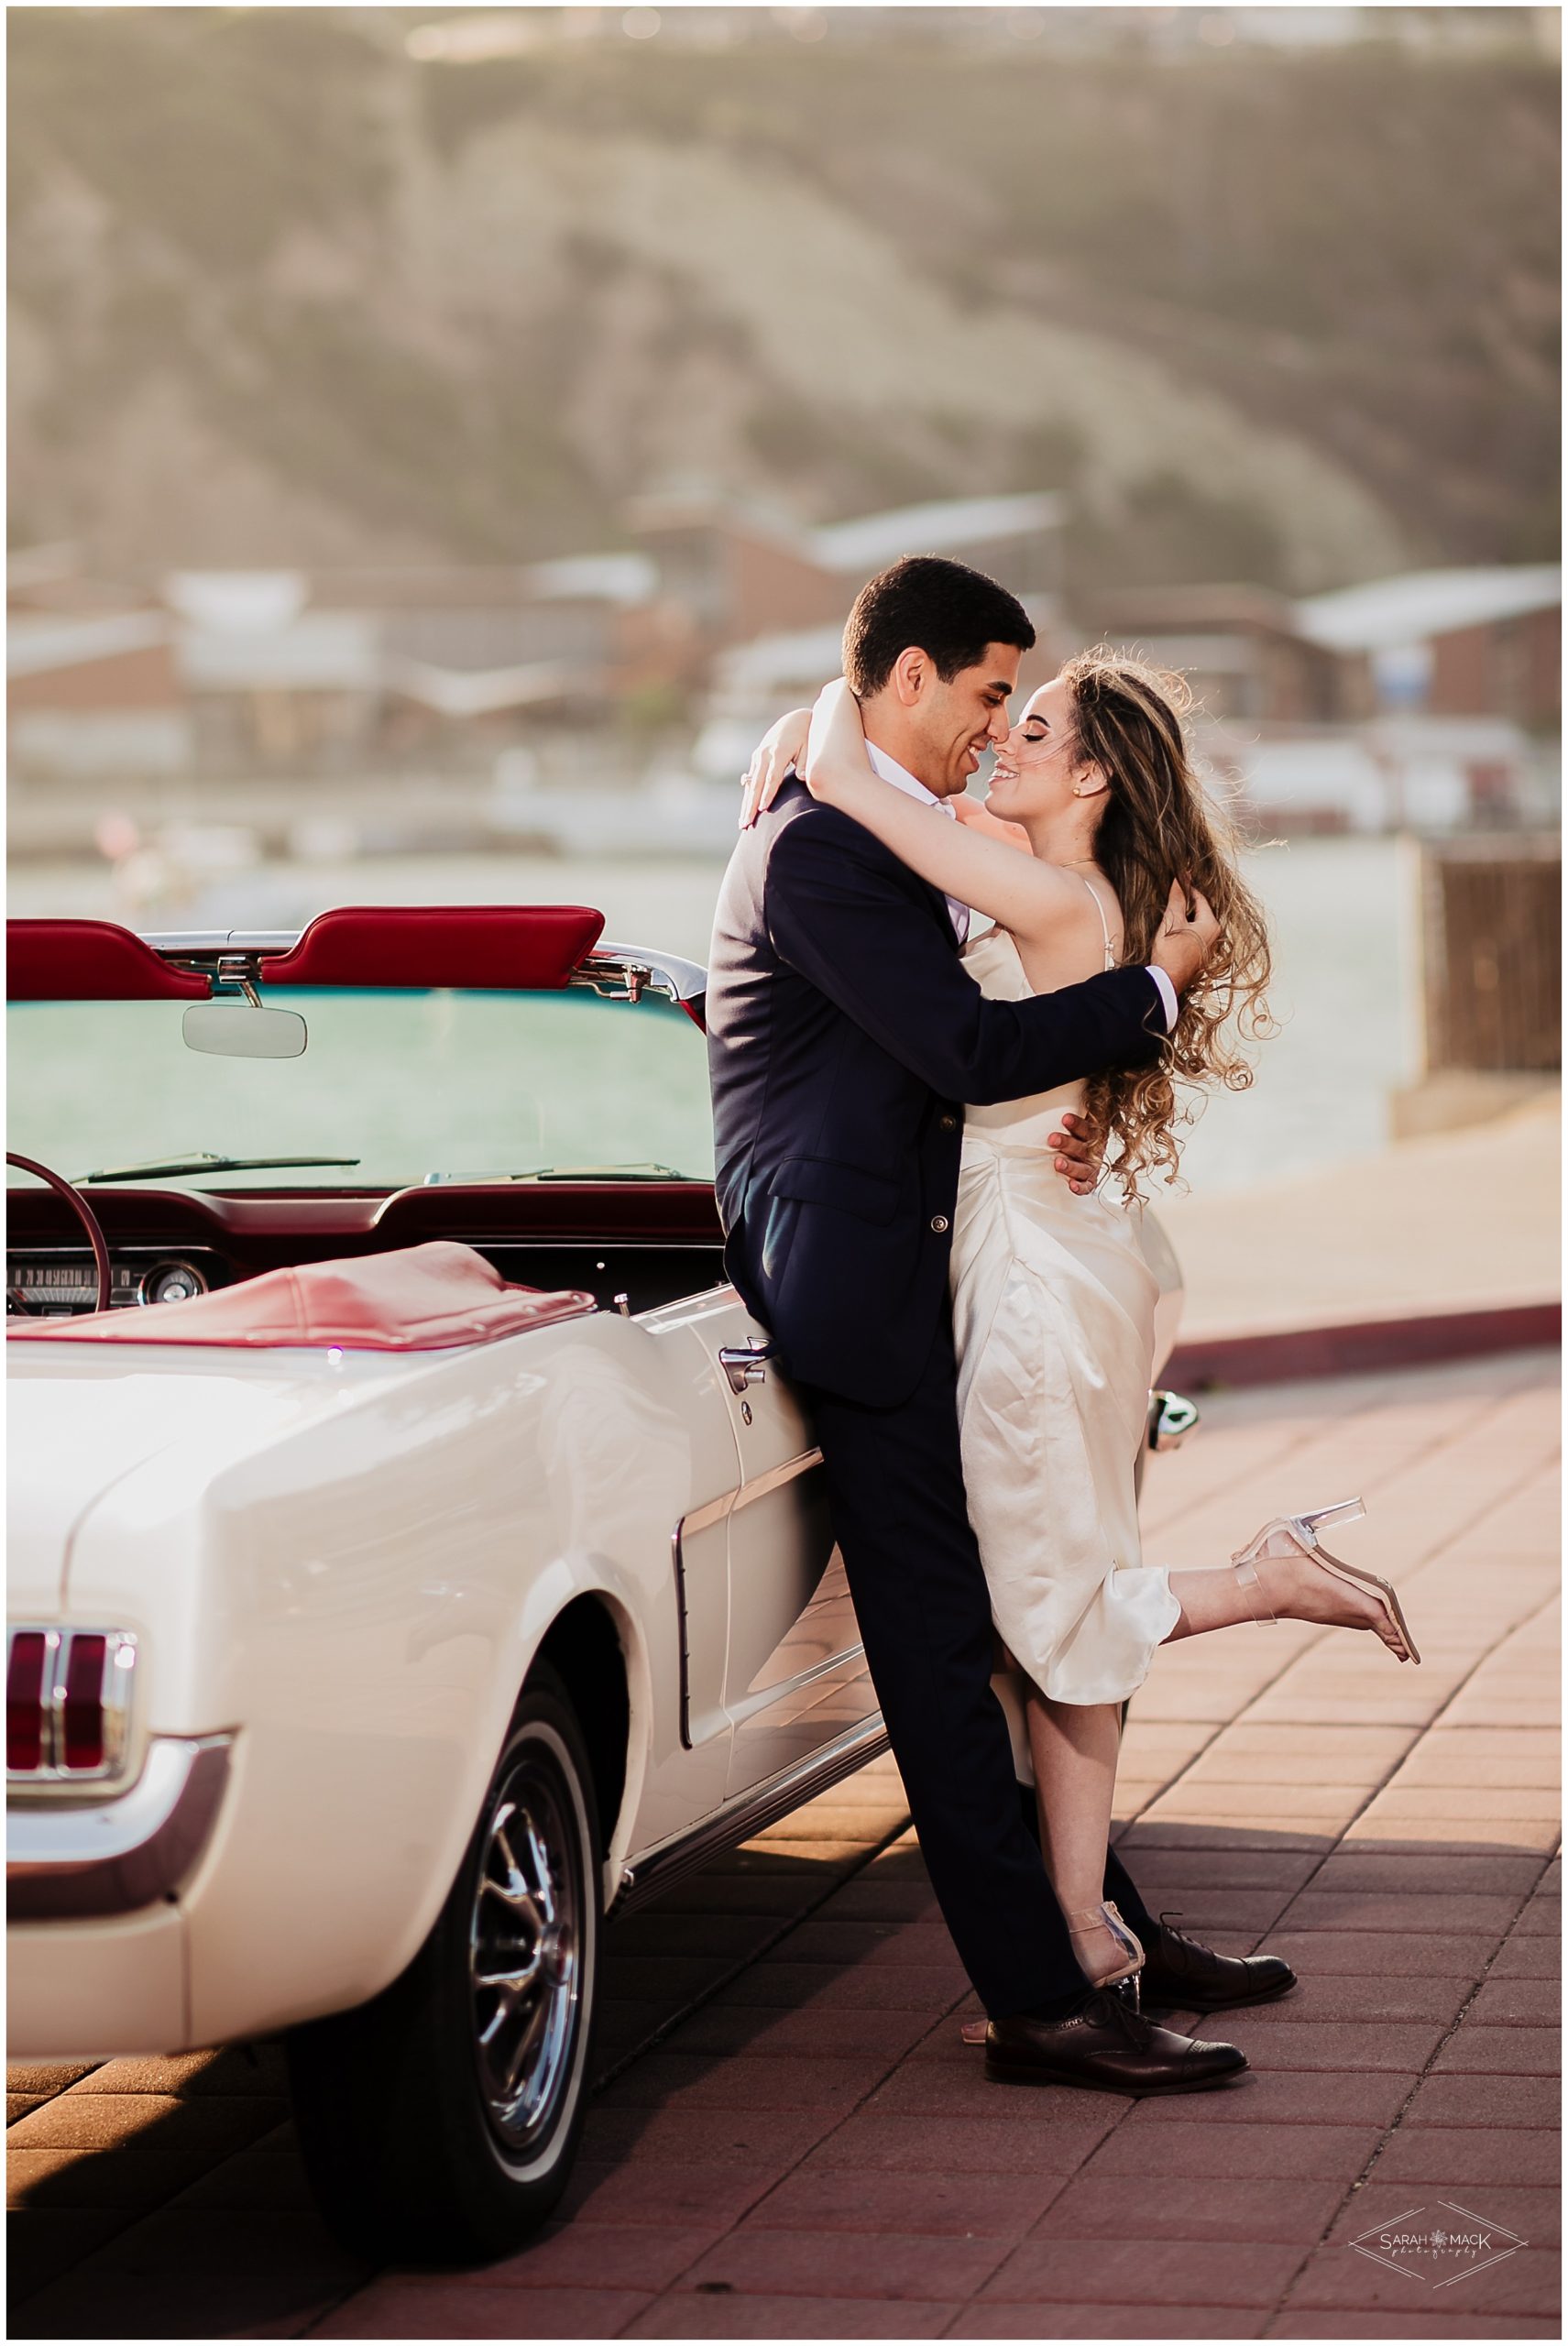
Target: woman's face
[{"x": 1038, "y": 764}]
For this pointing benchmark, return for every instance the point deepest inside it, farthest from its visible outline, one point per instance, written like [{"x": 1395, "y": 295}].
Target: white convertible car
[{"x": 415, "y": 1559}]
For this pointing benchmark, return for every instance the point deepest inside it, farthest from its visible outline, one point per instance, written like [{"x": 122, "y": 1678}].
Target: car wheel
[{"x": 439, "y": 2122}]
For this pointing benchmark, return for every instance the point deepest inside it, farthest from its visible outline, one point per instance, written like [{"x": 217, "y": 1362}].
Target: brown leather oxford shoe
[
  {"x": 1181, "y": 1972},
  {"x": 1108, "y": 2045}
]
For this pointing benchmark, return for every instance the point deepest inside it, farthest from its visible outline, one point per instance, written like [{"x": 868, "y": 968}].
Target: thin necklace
[{"x": 1078, "y": 861}]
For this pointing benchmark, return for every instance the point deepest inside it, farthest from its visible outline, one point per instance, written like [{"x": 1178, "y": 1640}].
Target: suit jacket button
[
  {"x": 939, "y": 1222},
  {"x": 947, "y": 1123}
]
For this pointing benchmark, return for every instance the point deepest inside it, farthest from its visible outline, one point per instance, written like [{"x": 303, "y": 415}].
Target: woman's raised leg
[{"x": 1279, "y": 1580}]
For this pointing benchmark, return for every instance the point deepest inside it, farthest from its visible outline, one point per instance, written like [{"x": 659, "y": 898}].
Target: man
[{"x": 844, "y": 1039}]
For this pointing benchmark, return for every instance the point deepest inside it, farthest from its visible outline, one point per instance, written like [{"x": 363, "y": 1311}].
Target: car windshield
[{"x": 405, "y": 1086}]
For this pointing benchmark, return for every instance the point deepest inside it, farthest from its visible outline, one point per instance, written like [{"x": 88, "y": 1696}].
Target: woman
[{"x": 1053, "y": 1300}]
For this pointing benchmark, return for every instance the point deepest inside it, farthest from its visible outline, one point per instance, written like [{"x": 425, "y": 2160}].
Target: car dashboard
[
  {"x": 632, "y": 1247},
  {"x": 54, "y": 1283}
]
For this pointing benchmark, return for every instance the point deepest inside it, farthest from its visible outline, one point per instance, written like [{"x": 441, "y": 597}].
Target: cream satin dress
[{"x": 1053, "y": 1317}]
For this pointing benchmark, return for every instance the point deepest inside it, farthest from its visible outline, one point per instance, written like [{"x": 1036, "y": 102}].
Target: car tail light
[
  {"x": 26, "y": 1701},
  {"x": 67, "y": 1700}
]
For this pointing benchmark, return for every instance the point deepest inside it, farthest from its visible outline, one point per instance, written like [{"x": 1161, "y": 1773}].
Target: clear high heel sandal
[
  {"x": 1103, "y": 1917},
  {"x": 1107, "y": 1916},
  {"x": 1298, "y": 1535}
]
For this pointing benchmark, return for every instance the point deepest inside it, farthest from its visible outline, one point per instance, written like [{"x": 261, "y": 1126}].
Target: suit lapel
[
  {"x": 937, "y": 901},
  {"x": 935, "y": 898}
]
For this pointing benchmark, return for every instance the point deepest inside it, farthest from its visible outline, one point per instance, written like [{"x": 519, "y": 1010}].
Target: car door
[{"x": 795, "y": 1675}]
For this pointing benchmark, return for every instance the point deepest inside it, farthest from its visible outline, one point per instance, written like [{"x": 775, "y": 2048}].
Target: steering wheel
[{"x": 86, "y": 1217}]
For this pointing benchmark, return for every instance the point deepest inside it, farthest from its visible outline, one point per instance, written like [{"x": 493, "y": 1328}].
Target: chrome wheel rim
[{"x": 525, "y": 1950}]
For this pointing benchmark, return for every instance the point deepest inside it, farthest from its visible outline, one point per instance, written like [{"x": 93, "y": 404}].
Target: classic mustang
[{"x": 415, "y": 1557}]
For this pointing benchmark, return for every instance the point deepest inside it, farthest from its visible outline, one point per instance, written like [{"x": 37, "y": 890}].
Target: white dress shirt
[{"x": 891, "y": 770}]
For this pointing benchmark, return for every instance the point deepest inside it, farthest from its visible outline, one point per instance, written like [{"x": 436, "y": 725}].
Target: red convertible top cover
[
  {"x": 529, "y": 947},
  {"x": 89, "y": 961},
  {"x": 424, "y": 1299}
]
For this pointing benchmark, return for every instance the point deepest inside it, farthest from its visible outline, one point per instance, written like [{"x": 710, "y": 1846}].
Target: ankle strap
[{"x": 1248, "y": 1581}]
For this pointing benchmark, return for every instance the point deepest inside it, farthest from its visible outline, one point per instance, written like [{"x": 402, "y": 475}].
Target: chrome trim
[
  {"x": 1171, "y": 1419},
  {"x": 758, "y": 1698},
  {"x": 745, "y": 1364},
  {"x": 647, "y": 1876},
  {"x": 682, "y": 1634},
  {"x": 669, "y": 974},
  {"x": 119, "y": 1855},
  {"x": 222, "y": 940},
  {"x": 619, "y": 977},
  {"x": 116, "y": 1689},
  {"x": 704, "y": 1518},
  {"x": 762, "y": 1487},
  {"x": 172, "y": 1263},
  {"x": 682, "y": 979}
]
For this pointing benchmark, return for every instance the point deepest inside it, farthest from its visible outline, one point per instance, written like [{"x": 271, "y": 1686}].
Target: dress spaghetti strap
[{"x": 1105, "y": 924}]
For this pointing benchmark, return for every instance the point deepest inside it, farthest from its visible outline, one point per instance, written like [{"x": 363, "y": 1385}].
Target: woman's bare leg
[
  {"x": 1074, "y": 1746},
  {"x": 1209, "y": 1600},
  {"x": 1291, "y": 1590}
]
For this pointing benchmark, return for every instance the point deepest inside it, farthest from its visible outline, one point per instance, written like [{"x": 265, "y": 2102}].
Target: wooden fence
[{"x": 1492, "y": 924}]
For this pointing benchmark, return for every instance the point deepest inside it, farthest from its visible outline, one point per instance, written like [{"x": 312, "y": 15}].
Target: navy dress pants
[{"x": 896, "y": 1495}]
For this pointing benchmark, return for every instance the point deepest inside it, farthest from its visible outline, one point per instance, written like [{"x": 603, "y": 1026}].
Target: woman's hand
[{"x": 781, "y": 746}]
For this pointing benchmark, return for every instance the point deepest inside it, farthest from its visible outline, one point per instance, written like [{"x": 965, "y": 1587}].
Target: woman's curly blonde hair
[{"x": 1160, "y": 825}]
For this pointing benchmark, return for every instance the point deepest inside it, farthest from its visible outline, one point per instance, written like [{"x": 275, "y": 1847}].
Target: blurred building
[
  {"x": 95, "y": 694},
  {"x": 1473, "y": 642},
  {"x": 236, "y": 673},
  {"x": 1430, "y": 701},
  {"x": 767, "y": 602},
  {"x": 738, "y": 573},
  {"x": 1244, "y": 650}
]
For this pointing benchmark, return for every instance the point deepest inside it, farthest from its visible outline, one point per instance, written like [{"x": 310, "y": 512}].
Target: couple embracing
[{"x": 929, "y": 1149}]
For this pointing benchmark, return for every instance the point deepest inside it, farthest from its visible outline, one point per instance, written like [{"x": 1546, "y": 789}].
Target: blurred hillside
[{"x": 281, "y": 292}]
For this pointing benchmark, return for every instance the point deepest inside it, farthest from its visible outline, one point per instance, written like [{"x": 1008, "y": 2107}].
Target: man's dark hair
[{"x": 950, "y": 612}]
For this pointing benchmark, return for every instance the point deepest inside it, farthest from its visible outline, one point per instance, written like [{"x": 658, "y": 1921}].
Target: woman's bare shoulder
[{"x": 1061, "y": 900}]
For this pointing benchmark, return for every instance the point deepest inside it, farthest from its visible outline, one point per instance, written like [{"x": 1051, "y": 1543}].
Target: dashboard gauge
[
  {"x": 56, "y": 1287},
  {"x": 172, "y": 1283}
]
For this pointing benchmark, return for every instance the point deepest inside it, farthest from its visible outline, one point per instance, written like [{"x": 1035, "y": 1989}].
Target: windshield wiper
[
  {"x": 567, "y": 1173},
  {"x": 205, "y": 1160},
  {"x": 600, "y": 1173}
]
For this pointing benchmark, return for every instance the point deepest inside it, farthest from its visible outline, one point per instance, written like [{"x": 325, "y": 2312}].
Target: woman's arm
[
  {"x": 1019, "y": 891},
  {"x": 989, "y": 827},
  {"x": 781, "y": 750}
]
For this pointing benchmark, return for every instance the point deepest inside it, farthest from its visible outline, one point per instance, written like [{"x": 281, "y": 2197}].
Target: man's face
[{"x": 956, "y": 723}]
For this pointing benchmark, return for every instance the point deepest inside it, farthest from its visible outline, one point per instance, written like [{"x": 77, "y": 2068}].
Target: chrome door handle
[{"x": 744, "y": 1365}]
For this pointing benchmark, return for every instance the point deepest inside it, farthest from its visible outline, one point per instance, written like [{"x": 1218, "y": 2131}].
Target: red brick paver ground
[{"x": 791, "y": 2141}]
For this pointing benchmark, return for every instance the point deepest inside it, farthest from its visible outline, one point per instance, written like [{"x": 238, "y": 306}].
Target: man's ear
[{"x": 911, "y": 674}]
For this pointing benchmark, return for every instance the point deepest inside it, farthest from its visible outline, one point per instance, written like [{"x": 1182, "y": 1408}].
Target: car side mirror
[{"x": 244, "y": 1031}]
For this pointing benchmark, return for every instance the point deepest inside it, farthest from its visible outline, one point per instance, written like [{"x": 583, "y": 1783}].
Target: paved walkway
[{"x": 793, "y": 2142}]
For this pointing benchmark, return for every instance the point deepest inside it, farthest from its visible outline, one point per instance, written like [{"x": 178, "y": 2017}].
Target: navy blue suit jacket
[{"x": 844, "y": 1038}]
